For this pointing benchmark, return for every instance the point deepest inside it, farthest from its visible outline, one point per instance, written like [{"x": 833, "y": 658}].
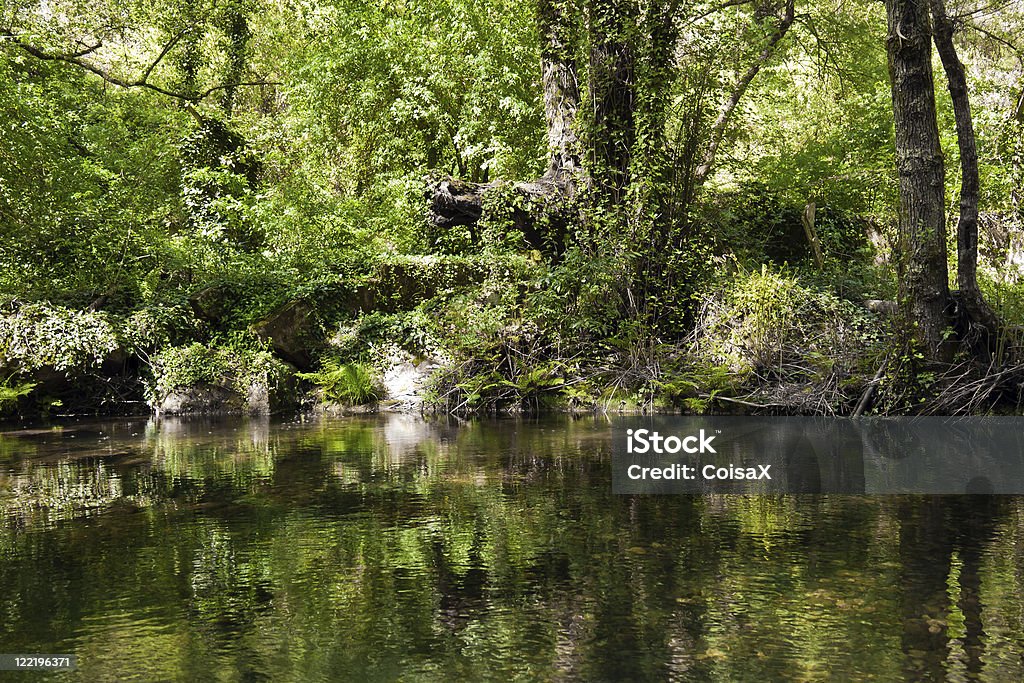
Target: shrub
[
  {"x": 41, "y": 335},
  {"x": 348, "y": 383},
  {"x": 767, "y": 318},
  {"x": 238, "y": 364},
  {"x": 767, "y": 340}
]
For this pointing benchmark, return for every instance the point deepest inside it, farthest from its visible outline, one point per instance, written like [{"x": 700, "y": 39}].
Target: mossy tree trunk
[
  {"x": 454, "y": 202},
  {"x": 611, "y": 134},
  {"x": 607, "y": 142},
  {"x": 560, "y": 80},
  {"x": 924, "y": 297}
]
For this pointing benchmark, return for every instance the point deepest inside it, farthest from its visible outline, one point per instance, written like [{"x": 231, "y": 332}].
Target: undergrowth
[{"x": 346, "y": 383}]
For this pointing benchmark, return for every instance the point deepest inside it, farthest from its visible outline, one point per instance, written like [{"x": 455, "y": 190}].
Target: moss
[{"x": 241, "y": 364}]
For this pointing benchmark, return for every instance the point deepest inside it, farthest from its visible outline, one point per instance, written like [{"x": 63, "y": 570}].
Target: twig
[{"x": 741, "y": 401}]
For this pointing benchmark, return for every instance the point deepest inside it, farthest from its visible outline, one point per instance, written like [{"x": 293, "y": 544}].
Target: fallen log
[{"x": 538, "y": 209}]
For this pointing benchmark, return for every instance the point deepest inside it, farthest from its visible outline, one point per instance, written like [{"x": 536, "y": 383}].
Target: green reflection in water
[{"x": 394, "y": 548}]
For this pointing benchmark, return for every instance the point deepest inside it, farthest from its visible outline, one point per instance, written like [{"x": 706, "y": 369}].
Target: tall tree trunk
[
  {"x": 237, "y": 32},
  {"x": 454, "y": 202},
  {"x": 560, "y": 81},
  {"x": 655, "y": 75},
  {"x": 191, "y": 56},
  {"x": 612, "y": 131},
  {"x": 967, "y": 226},
  {"x": 923, "y": 270}
]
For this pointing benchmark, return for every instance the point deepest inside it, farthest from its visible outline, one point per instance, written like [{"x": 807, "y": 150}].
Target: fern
[
  {"x": 10, "y": 393},
  {"x": 352, "y": 383}
]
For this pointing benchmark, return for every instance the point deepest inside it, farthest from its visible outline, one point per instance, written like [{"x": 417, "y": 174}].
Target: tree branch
[
  {"x": 727, "y": 108},
  {"x": 163, "y": 53},
  {"x": 984, "y": 9},
  {"x": 142, "y": 82},
  {"x": 718, "y": 8},
  {"x": 1015, "y": 49},
  {"x": 86, "y": 49},
  {"x": 209, "y": 91}
]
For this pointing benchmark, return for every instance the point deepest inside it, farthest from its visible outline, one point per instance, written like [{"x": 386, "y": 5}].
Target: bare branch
[
  {"x": 86, "y": 49},
  {"x": 718, "y": 8},
  {"x": 92, "y": 68},
  {"x": 984, "y": 9},
  {"x": 209, "y": 91},
  {"x": 1017, "y": 51}
]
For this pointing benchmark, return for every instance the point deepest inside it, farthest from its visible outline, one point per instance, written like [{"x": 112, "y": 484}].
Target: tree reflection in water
[{"x": 376, "y": 549}]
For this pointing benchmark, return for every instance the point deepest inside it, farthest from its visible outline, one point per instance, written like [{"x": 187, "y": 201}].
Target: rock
[
  {"x": 292, "y": 331},
  {"x": 212, "y": 303},
  {"x": 881, "y": 306},
  {"x": 406, "y": 379},
  {"x": 258, "y": 398},
  {"x": 50, "y": 382},
  {"x": 116, "y": 362},
  {"x": 203, "y": 399}
]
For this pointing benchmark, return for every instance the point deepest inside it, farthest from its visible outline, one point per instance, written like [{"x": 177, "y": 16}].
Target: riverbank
[{"x": 767, "y": 341}]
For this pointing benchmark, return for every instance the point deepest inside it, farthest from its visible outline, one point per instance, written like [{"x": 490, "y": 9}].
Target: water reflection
[{"x": 386, "y": 548}]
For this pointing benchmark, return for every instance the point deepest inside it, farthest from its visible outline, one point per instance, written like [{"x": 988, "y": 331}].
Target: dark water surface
[{"x": 383, "y": 549}]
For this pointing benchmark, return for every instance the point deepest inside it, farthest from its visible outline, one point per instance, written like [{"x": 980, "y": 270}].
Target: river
[{"x": 394, "y": 548}]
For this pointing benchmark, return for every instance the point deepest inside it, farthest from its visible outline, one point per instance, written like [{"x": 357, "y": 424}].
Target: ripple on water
[{"x": 368, "y": 550}]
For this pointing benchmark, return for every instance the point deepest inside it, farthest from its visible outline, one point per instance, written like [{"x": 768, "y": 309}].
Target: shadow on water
[{"x": 377, "y": 549}]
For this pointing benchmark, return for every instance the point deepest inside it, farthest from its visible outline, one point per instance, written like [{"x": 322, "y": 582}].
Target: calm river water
[{"x": 391, "y": 548}]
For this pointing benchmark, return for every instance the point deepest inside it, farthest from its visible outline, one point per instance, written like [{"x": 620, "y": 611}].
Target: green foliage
[
  {"x": 500, "y": 358},
  {"x": 495, "y": 379},
  {"x": 695, "y": 387},
  {"x": 292, "y": 165},
  {"x": 908, "y": 383},
  {"x": 220, "y": 176},
  {"x": 239, "y": 363},
  {"x": 41, "y": 335},
  {"x": 767, "y": 321},
  {"x": 1005, "y": 294},
  {"x": 11, "y": 392},
  {"x": 818, "y": 126},
  {"x": 580, "y": 296},
  {"x": 84, "y": 174},
  {"x": 159, "y": 325},
  {"x": 347, "y": 383}
]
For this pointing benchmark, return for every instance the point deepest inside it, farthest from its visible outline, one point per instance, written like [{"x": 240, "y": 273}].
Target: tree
[
  {"x": 727, "y": 107},
  {"x": 455, "y": 202},
  {"x": 924, "y": 296},
  {"x": 111, "y": 47},
  {"x": 560, "y": 81},
  {"x": 977, "y": 310},
  {"x": 614, "y": 145}
]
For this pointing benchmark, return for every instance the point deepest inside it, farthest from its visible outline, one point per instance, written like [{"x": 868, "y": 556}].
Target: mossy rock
[{"x": 293, "y": 332}]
